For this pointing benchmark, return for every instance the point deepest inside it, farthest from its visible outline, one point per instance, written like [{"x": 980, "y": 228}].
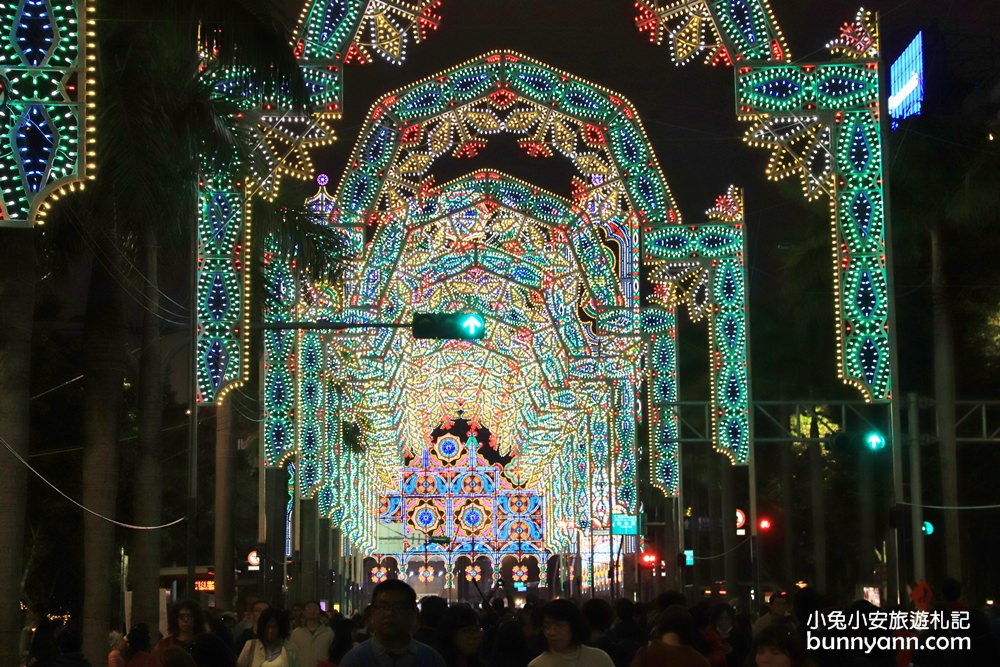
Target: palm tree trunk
[
  {"x": 105, "y": 371},
  {"x": 788, "y": 542},
  {"x": 148, "y": 471},
  {"x": 944, "y": 392},
  {"x": 818, "y": 516},
  {"x": 17, "y": 303},
  {"x": 224, "y": 547}
]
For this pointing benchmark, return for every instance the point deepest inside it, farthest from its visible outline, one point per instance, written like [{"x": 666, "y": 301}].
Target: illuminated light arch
[
  {"x": 821, "y": 122},
  {"x": 619, "y": 184},
  {"x": 389, "y": 351},
  {"x": 47, "y": 105}
]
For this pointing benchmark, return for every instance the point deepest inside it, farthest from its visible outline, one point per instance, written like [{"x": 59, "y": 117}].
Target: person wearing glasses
[{"x": 393, "y": 618}]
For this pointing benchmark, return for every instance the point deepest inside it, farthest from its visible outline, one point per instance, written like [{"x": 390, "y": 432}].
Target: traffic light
[
  {"x": 927, "y": 528},
  {"x": 874, "y": 441},
  {"x": 764, "y": 524},
  {"x": 648, "y": 559},
  {"x": 466, "y": 325}
]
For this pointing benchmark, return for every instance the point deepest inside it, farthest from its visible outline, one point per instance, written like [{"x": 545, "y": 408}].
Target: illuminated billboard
[{"x": 906, "y": 81}]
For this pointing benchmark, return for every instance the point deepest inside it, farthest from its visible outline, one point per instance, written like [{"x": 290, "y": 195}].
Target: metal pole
[
  {"x": 916, "y": 489},
  {"x": 754, "y": 546},
  {"x": 895, "y": 426},
  {"x": 680, "y": 516},
  {"x": 192, "y": 501}
]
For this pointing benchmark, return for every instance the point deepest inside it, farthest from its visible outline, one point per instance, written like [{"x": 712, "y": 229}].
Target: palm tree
[
  {"x": 17, "y": 302},
  {"x": 944, "y": 176},
  {"x": 158, "y": 117}
]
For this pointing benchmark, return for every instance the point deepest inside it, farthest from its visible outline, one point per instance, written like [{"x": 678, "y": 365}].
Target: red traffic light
[
  {"x": 648, "y": 559},
  {"x": 764, "y": 524}
]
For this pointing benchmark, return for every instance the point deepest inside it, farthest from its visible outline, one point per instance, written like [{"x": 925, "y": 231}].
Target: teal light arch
[{"x": 821, "y": 123}]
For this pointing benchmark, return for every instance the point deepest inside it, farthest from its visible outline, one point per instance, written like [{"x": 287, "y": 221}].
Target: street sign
[
  {"x": 741, "y": 518},
  {"x": 689, "y": 557},
  {"x": 624, "y": 524}
]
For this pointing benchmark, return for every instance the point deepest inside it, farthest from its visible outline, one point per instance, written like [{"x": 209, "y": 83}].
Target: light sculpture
[
  {"x": 459, "y": 488},
  {"x": 557, "y": 377},
  {"x": 821, "y": 123},
  {"x": 47, "y": 105},
  {"x": 330, "y": 33}
]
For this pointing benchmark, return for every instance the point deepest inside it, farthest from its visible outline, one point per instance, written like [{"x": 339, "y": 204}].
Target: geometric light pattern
[
  {"x": 461, "y": 496},
  {"x": 724, "y": 30},
  {"x": 284, "y": 140},
  {"x": 821, "y": 123},
  {"x": 46, "y": 105},
  {"x": 326, "y": 27},
  {"x": 703, "y": 269},
  {"x": 557, "y": 380}
]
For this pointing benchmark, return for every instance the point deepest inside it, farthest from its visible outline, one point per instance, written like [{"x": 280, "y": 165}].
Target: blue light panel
[{"x": 906, "y": 81}]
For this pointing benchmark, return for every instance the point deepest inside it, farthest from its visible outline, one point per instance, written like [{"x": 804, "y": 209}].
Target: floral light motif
[
  {"x": 379, "y": 574},
  {"x": 473, "y": 573}
]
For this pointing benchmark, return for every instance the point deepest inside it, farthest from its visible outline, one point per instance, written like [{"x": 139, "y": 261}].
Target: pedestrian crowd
[{"x": 396, "y": 631}]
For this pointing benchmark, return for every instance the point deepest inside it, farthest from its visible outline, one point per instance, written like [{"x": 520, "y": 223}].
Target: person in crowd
[
  {"x": 42, "y": 649},
  {"x": 669, "y": 599},
  {"x": 951, "y": 593},
  {"x": 460, "y": 637},
  {"x": 343, "y": 640},
  {"x": 432, "y": 608},
  {"x": 116, "y": 644},
  {"x": 296, "y": 612},
  {"x": 709, "y": 644},
  {"x": 174, "y": 656},
  {"x": 137, "y": 648},
  {"x": 672, "y": 642},
  {"x": 250, "y": 632},
  {"x": 565, "y": 632},
  {"x": 246, "y": 619},
  {"x": 599, "y": 616},
  {"x": 735, "y": 644},
  {"x": 313, "y": 638},
  {"x": 184, "y": 620},
  {"x": 518, "y": 639},
  {"x": 69, "y": 641},
  {"x": 217, "y": 626},
  {"x": 272, "y": 646},
  {"x": 393, "y": 614},
  {"x": 629, "y": 631},
  {"x": 779, "y": 610},
  {"x": 777, "y": 646}
]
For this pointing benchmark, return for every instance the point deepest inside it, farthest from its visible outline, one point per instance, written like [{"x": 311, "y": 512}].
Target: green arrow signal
[{"x": 472, "y": 323}]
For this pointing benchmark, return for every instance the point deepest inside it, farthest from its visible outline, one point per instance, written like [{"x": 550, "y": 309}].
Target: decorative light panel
[
  {"x": 723, "y": 30},
  {"x": 46, "y": 105},
  {"x": 703, "y": 268},
  {"x": 328, "y": 32},
  {"x": 821, "y": 123},
  {"x": 448, "y": 488}
]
